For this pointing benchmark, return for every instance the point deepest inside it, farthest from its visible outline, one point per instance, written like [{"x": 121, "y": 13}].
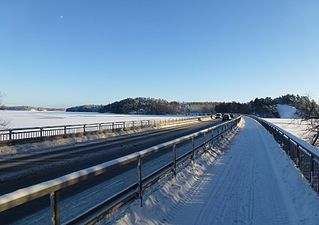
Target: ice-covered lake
[{"x": 21, "y": 119}]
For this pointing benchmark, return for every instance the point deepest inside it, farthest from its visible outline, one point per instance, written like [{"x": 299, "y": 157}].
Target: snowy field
[
  {"x": 22, "y": 119},
  {"x": 253, "y": 183},
  {"x": 297, "y": 127},
  {"x": 291, "y": 122}
]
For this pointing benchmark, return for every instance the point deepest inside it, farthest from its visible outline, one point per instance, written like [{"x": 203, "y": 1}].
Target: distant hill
[
  {"x": 147, "y": 106},
  {"x": 264, "y": 107},
  {"x": 287, "y": 111}
]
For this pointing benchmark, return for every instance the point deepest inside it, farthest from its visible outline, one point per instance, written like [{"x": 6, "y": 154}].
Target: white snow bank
[
  {"x": 253, "y": 183},
  {"x": 287, "y": 111}
]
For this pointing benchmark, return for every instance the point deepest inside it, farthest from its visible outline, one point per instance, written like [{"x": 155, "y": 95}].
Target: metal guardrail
[
  {"x": 15, "y": 134},
  {"x": 52, "y": 188},
  {"x": 304, "y": 155}
]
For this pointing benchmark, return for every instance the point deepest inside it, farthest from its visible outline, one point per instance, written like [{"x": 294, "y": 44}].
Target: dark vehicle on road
[
  {"x": 226, "y": 117},
  {"x": 218, "y": 116}
]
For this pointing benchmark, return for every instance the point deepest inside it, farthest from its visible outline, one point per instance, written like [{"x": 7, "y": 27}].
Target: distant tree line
[
  {"x": 148, "y": 106},
  {"x": 29, "y": 108},
  {"x": 265, "y": 107}
]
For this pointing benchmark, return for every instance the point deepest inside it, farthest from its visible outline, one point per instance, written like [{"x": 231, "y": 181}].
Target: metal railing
[
  {"x": 304, "y": 155},
  {"x": 53, "y": 188},
  {"x": 10, "y": 135}
]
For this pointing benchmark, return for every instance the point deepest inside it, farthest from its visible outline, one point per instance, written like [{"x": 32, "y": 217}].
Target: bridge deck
[{"x": 253, "y": 183}]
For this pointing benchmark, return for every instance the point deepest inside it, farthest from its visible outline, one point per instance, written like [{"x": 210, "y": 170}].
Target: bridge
[{"x": 244, "y": 171}]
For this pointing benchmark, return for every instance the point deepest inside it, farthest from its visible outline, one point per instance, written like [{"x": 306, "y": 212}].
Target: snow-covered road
[{"x": 253, "y": 183}]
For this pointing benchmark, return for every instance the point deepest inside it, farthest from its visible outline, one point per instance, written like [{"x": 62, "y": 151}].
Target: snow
[
  {"x": 287, "y": 111},
  {"x": 253, "y": 183},
  {"x": 23, "y": 119},
  {"x": 297, "y": 127},
  {"x": 78, "y": 203}
]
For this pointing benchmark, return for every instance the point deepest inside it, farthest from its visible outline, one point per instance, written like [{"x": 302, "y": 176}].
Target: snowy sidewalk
[{"x": 253, "y": 183}]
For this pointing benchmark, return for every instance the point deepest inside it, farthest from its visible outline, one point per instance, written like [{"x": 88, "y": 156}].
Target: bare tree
[{"x": 309, "y": 112}]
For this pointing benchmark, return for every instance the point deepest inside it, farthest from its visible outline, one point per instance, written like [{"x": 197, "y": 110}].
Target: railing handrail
[
  {"x": 306, "y": 147},
  {"x": 27, "y": 194},
  {"x": 29, "y": 133}
]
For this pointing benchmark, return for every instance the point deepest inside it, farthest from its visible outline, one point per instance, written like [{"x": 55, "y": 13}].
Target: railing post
[
  {"x": 100, "y": 125},
  {"x": 298, "y": 156},
  {"x": 10, "y": 135},
  {"x": 55, "y": 206},
  {"x": 41, "y": 132},
  {"x": 174, "y": 158},
  {"x": 213, "y": 136},
  {"x": 288, "y": 146},
  {"x": 312, "y": 171},
  {"x": 113, "y": 128},
  {"x": 84, "y": 130},
  {"x": 124, "y": 126},
  {"x": 193, "y": 150},
  {"x": 140, "y": 179},
  {"x": 64, "y": 130}
]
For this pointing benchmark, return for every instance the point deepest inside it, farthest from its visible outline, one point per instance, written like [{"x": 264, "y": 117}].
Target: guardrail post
[
  {"x": 100, "y": 125},
  {"x": 113, "y": 128},
  {"x": 84, "y": 130},
  {"x": 289, "y": 146},
  {"x": 312, "y": 170},
  {"x": 140, "y": 179},
  {"x": 10, "y": 135},
  {"x": 298, "y": 156},
  {"x": 193, "y": 150},
  {"x": 174, "y": 158},
  {"x": 41, "y": 132},
  {"x": 64, "y": 130},
  {"x": 124, "y": 126},
  {"x": 55, "y": 206}
]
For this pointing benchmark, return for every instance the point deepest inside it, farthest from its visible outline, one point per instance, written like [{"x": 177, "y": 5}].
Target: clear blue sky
[{"x": 63, "y": 53}]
